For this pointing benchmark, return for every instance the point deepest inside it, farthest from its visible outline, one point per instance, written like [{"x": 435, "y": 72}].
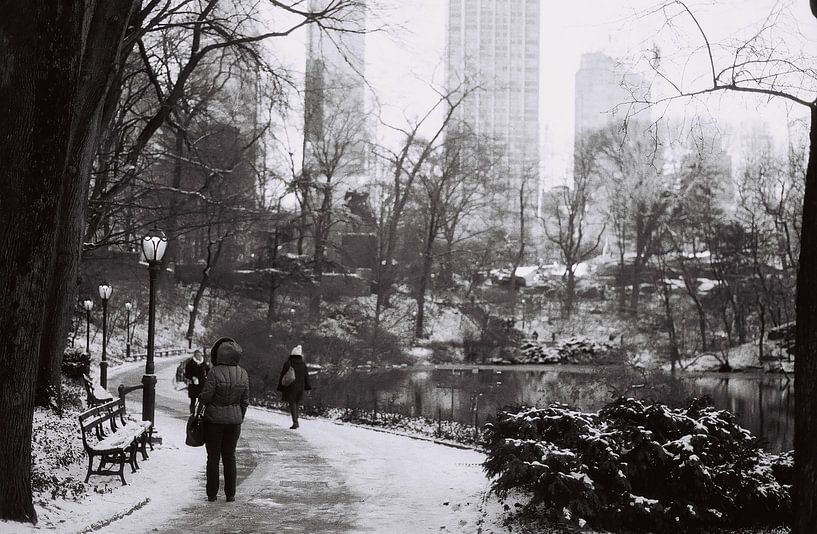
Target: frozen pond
[{"x": 763, "y": 403}]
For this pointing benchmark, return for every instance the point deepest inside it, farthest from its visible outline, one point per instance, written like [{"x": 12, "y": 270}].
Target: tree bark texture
[
  {"x": 54, "y": 62},
  {"x": 34, "y": 139},
  {"x": 805, "y": 363},
  {"x": 101, "y": 52}
]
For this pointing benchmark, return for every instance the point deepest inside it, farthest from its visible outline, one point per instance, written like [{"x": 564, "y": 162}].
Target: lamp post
[
  {"x": 88, "y": 304},
  {"x": 128, "y": 307},
  {"x": 105, "y": 291},
  {"x": 190, "y": 327},
  {"x": 153, "y": 249}
]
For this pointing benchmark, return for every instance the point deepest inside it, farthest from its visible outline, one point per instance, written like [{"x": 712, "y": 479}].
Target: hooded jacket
[{"x": 226, "y": 393}]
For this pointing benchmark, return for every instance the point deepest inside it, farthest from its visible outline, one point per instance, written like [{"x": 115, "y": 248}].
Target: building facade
[
  {"x": 335, "y": 101},
  {"x": 604, "y": 93},
  {"x": 493, "y": 46}
]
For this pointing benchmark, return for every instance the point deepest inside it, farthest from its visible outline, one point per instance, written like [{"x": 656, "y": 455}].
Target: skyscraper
[
  {"x": 494, "y": 45},
  {"x": 334, "y": 85},
  {"x": 603, "y": 92}
]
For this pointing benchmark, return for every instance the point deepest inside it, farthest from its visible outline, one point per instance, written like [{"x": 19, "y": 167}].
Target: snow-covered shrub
[
  {"x": 56, "y": 448},
  {"x": 570, "y": 351},
  {"x": 638, "y": 466}
]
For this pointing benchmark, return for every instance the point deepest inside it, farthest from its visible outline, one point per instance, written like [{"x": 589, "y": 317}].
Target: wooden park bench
[
  {"x": 107, "y": 435},
  {"x": 96, "y": 394}
]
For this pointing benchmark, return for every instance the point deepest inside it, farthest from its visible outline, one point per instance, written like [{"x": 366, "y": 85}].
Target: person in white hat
[{"x": 293, "y": 382}]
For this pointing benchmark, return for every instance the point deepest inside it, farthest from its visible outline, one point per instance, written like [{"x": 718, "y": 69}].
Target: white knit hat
[{"x": 297, "y": 351}]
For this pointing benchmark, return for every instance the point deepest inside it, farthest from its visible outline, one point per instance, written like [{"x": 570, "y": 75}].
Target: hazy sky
[{"x": 404, "y": 61}]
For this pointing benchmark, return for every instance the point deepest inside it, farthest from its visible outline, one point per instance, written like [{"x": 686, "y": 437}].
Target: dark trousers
[{"x": 220, "y": 441}]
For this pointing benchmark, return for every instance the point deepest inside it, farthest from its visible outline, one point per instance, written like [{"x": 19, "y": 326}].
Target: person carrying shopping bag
[{"x": 293, "y": 382}]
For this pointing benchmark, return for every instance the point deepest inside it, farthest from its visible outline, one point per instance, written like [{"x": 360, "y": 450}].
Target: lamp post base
[
  {"x": 149, "y": 398},
  {"x": 103, "y": 374}
]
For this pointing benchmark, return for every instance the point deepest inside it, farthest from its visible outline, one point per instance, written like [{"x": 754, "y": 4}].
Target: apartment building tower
[
  {"x": 334, "y": 86},
  {"x": 604, "y": 92},
  {"x": 494, "y": 45}
]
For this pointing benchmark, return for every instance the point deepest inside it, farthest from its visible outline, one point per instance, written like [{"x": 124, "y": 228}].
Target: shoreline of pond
[{"x": 578, "y": 368}]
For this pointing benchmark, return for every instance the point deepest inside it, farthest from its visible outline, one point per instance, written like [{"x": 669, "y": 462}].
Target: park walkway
[{"x": 324, "y": 477}]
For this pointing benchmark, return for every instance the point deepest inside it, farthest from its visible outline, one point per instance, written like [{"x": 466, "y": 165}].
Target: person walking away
[
  {"x": 195, "y": 372},
  {"x": 225, "y": 396},
  {"x": 292, "y": 387}
]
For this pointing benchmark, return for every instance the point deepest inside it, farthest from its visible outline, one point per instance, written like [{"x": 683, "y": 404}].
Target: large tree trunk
[
  {"x": 96, "y": 100},
  {"x": 57, "y": 57},
  {"x": 38, "y": 83},
  {"x": 62, "y": 294},
  {"x": 805, "y": 363}
]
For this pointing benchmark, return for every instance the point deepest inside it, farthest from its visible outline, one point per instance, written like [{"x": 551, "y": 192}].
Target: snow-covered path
[{"x": 324, "y": 477}]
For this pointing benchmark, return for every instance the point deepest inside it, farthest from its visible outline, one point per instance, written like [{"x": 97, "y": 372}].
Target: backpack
[{"x": 289, "y": 376}]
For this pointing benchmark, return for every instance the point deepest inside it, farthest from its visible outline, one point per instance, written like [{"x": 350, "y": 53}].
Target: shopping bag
[{"x": 195, "y": 429}]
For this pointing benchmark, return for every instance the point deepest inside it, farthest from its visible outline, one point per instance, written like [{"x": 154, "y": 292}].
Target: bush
[
  {"x": 75, "y": 363},
  {"x": 55, "y": 448},
  {"x": 638, "y": 466}
]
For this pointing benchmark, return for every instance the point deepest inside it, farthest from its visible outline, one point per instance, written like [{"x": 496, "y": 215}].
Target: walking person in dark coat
[
  {"x": 292, "y": 393},
  {"x": 195, "y": 372},
  {"x": 225, "y": 396}
]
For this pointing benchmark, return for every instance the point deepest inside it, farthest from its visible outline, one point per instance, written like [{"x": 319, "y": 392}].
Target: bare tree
[
  {"x": 333, "y": 155},
  {"x": 405, "y": 163},
  {"x": 764, "y": 64},
  {"x": 565, "y": 220},
  {"x": 638, "y": 198}
]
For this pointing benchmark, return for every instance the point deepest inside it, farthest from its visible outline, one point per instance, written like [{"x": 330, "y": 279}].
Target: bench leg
[
  {"x": 143, "y": 441},
  {"x": 122, "y": 472},
  {"x": 90, "y": 467},
  {"x": 134, "y": 464}
]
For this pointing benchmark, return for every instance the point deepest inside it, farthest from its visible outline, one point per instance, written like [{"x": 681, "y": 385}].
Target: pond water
[{"x": 762, "y": 403}]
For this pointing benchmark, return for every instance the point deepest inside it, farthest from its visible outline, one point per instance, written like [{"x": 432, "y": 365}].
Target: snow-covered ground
[
  {"x": 742, "y": 358},
  {"x": 396, "y": 483}
]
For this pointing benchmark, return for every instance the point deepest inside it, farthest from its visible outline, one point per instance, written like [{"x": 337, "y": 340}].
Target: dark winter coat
[
  {"x": 294, "y": 391},
  {"x": 226, "y": 392},
  {"x": 198, "y": 370}
]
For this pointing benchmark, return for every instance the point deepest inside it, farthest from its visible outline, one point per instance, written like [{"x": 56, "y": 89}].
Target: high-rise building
[
  {"x": 604, "y": 92},
  {"x": 494, "y": 45},
  {"x": 334, "y": 86}
]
